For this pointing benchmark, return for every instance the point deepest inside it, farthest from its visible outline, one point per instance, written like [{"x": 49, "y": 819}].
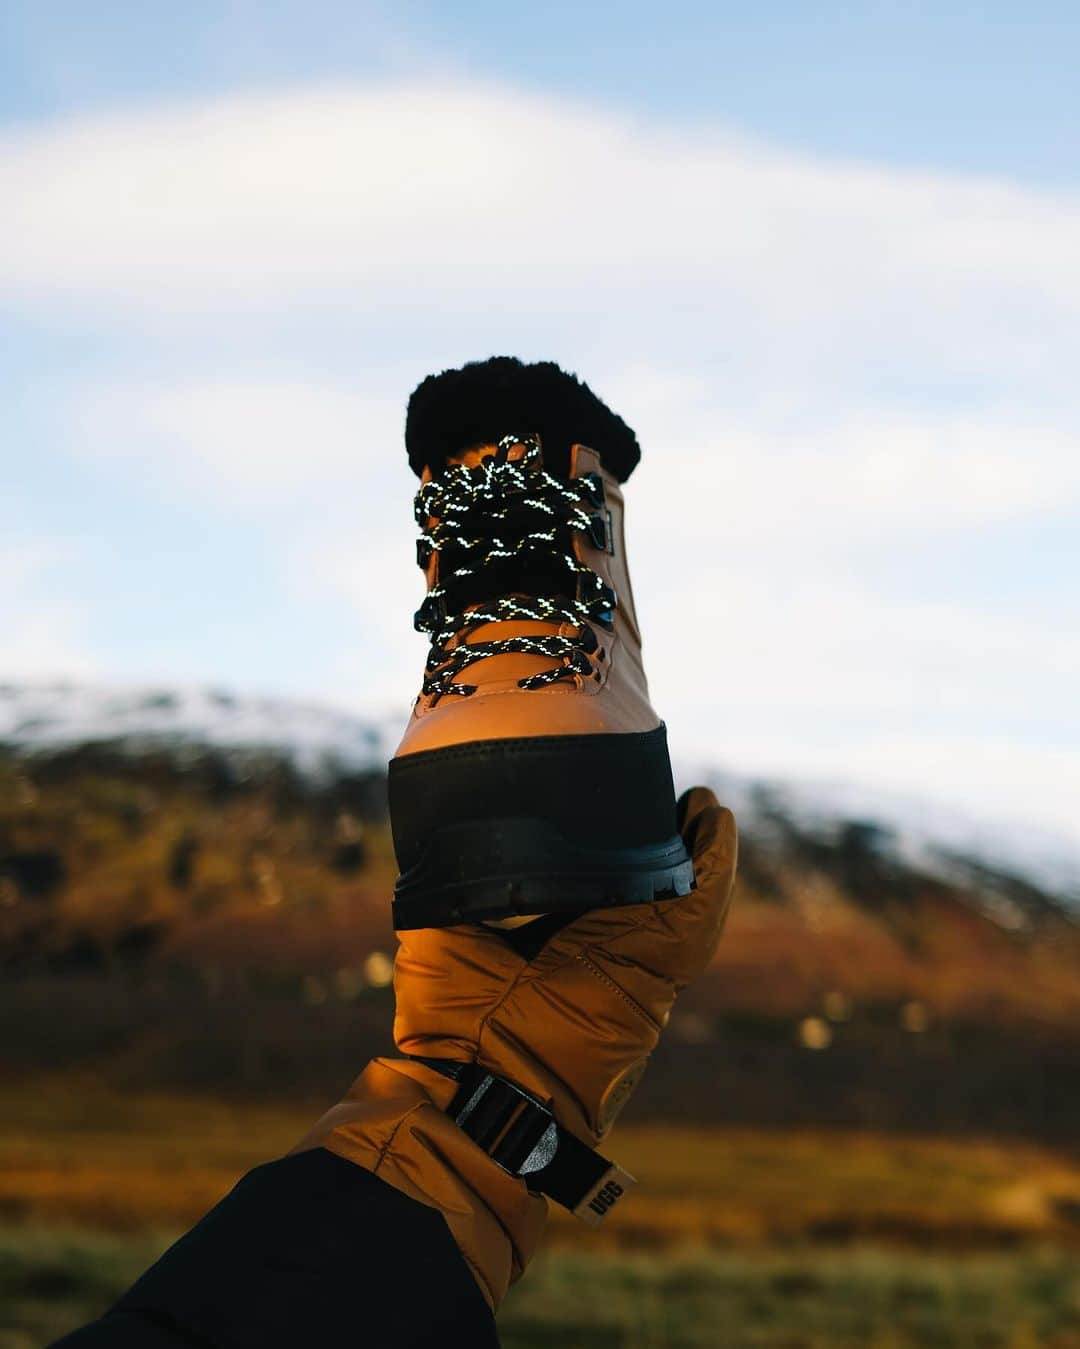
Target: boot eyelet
[
  {"x": 594, "y": 488},
  {"x": 598, "y": 533},
  {"x": 431, "y": 614},
  {"x": 580, "y": 664},
  {"x": 606, "y": 618}
]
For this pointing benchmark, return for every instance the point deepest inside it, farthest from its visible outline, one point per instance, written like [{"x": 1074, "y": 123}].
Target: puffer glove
[{"x": 572, "y": 1019}]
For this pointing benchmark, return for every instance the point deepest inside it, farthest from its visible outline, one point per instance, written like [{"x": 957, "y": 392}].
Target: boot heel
[
  {"x": 504, "y": 868},
  {"x": 591, "y": 822}
]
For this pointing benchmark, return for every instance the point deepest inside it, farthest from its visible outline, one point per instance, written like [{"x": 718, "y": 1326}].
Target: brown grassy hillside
[{"x": 188, "y": 922}]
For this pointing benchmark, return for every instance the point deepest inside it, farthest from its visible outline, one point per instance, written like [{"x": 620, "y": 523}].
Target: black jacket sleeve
[{"x": 308, "y": 1251}]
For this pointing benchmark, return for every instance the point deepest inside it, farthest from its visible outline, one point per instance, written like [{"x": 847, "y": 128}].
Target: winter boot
[{"x": 533, "y": 776}]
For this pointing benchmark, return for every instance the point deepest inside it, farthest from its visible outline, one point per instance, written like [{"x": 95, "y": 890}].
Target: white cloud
[
  {"x": 241, "y": 441},
  {"x": 862, "y": 472},
  {"x": 258, "y": 440},
  {"x": 45, "y": 629},
  {"x": 995, "y": 776},
  {"x": 492, "y": 196},
  {"x": 323, "y": 187},
  {"x": 827, "y": 364},
  {"x": 320, "y": 468}
]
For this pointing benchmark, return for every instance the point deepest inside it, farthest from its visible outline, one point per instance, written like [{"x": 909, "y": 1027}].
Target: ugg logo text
[{"x": 605, "y": 1197}]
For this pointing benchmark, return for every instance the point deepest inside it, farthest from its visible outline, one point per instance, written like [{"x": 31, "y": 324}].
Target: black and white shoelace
[{"x": 463, "y": 515}]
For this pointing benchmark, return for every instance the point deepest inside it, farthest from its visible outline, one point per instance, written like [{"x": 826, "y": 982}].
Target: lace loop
[{"x": 486, "y": 516}]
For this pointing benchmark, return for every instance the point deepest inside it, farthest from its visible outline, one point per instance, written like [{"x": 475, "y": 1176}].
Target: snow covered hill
[
  {"x": 989, "y": 856},
  {"x": 927, "y": 836},
  {"x": 45, "y": 717}
]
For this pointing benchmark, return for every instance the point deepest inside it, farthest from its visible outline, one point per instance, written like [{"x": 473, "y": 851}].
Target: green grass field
[
  {"x": 52, "y": 1279},
  {"x": 763, "y": 1239},
  {"x": 73, "y": 1151}
]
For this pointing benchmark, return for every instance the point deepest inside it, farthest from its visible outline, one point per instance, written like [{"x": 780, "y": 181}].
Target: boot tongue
[{"x": 476, "y": 454}]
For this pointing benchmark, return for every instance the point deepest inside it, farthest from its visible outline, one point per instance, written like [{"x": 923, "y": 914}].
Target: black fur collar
[{"x": 486, "y": 400}]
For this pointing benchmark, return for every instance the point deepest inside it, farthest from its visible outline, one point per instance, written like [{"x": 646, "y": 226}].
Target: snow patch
[
  {"x": 317, "y": 740},
  {"x": 926, "y": 835}
]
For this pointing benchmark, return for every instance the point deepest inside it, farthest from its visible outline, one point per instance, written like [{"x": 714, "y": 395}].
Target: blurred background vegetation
[{"x": 860, "y": 1128}]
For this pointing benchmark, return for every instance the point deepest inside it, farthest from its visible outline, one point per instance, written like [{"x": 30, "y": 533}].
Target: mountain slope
[
  {"x": 194, "y": 892},
  {"x": 1012, "y": 869}
]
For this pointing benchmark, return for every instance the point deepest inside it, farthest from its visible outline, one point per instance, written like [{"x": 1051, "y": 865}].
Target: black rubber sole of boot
[{"x": 499, "y": 828}]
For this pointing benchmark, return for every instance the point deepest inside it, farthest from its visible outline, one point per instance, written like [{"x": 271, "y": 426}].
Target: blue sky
[
  {"x": 822, "y": 256},
  {"x": 968, "y": 86}
]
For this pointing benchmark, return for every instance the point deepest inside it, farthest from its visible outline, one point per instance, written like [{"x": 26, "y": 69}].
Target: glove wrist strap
[{"x": 521, "y": 1135}]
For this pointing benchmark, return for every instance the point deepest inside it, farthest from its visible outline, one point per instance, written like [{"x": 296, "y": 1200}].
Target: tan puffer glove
[{"x": 574, "y": 1026}]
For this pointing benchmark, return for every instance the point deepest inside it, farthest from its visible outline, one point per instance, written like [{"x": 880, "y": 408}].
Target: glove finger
[
  {"x": 675, "y": 940},
  {"x": 713, "y": 843},
  {"x": 708, "y": 830},
  {"x": 670, "y": 941},
  {"x": 692, "y": 802}
]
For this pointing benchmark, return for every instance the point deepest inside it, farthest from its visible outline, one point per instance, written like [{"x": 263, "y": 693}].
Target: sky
[{"x": 824, "y": 258}]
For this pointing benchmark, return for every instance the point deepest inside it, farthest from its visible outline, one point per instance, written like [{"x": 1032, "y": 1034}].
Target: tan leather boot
[{"x": 533, "y": 775}]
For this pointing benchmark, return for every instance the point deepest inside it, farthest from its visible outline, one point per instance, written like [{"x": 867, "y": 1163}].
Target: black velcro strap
[{"x": 521, "y": 1135}]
